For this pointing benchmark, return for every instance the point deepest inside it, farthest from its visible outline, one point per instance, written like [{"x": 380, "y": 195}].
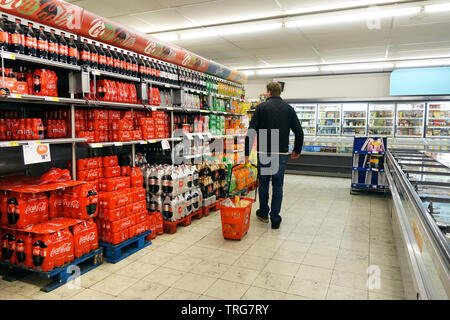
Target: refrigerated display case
[
  {"x": 329, "y": 119},
  {"x": 420, "y": 207},
  {"x": 438, "y": 124},
  {"x": 410, "y": 119},
  {"x": 381, "y": 119},
  {"x": 306, "y": 113},
  {"x": 354, "y": 119}
]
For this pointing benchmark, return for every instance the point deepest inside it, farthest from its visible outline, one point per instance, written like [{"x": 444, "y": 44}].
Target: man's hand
[
  {"x": 295, "y": 155},
  {"x": 246, "y": 160}
]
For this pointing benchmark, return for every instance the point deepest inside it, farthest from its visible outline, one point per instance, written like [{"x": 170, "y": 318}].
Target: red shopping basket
[{"x": 235, "y": 221}]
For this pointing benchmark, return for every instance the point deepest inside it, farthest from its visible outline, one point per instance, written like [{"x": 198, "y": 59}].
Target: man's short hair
[{"x": 274, "y": 88}]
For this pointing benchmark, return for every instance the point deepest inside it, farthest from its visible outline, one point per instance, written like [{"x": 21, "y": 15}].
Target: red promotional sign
[{"x": 69, "y": 17}]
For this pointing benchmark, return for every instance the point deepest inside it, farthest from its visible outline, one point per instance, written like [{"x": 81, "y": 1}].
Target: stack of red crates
[{"x": 122, "y": 206}]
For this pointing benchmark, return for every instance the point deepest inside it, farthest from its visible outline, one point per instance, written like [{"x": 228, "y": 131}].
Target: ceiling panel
[
  {"x": 114, "y": 8},
  {"x": 228, "y": 10},
  {"x": 164, "y": 19}
]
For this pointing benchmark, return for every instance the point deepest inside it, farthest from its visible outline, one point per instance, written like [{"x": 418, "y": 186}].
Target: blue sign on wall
[{"x": 420, "y": 81}]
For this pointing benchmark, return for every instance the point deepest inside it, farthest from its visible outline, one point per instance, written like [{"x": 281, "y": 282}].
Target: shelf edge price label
[
  {"x": 10, "y": 56},
  {"x": 36, "y": 153},
  {"x": 143, "y": 142},
  {"x": 96, "y": 145},
  {"x": 165, "y": 144},
  {"x": 151, "y": 141},
  {"x": 118, "y": 144},
  {"x": 15, "y": 95},
  {"x": 54, "y": 99}
]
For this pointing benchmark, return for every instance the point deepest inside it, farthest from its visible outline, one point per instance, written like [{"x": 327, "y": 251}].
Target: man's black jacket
[{"x": 274, "y": 114}]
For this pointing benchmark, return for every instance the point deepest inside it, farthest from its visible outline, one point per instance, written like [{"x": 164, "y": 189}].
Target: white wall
[{"x": 339, "y": 86}]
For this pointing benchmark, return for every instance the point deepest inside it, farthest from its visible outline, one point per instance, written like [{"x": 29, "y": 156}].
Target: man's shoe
[
  {"x": 276, "y": 224},
  {"x": 261, "y": 217}
]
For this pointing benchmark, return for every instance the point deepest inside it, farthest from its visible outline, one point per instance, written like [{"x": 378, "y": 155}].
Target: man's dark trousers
[{"x": 274, "y": 170}]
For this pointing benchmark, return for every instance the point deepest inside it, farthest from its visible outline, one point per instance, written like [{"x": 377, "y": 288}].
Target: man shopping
[{"x": 271, "y": 124}]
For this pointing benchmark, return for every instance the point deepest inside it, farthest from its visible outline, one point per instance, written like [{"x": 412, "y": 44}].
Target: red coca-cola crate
[
  {"x": 110, "y": 172},
  {"x": 110, "y": 161},
  {"x": 85, "y": 237},
  {"x": 25, "y": 209},
  {"x": 113, "y": 214}
]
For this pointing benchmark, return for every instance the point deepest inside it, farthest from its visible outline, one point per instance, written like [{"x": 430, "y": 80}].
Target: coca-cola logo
[
  {"x": 74, "y": 204},
  {"x": 60, "y": 13},
  {"x": 39, "y": 207},
  {"x": 66, "y": 247},
  {"x": 87, "y": 238}
]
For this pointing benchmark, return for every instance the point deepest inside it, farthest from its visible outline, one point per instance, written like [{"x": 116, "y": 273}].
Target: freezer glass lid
[
  {"x": 419, "y": 163},
  {"x": 434, "y": 191},
  {"x": 418, "y": 177},
  {"x": 441, "y": 211},
  {"x": 427, "y": 170}
]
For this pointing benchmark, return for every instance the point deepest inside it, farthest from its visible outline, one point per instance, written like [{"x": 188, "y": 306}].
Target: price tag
[
  {"x": 167, "y": 85},
  {"x": 152, "y": 141},
  {"x": 170, "y": 108},
  {"x": 17, "y": 96},
  {"x": 143, "y": 142},
  {"x": 165, "y": 144},
  {"x": 118, "y": 144},
  {"x": 9, "y": 144},
  {"x": 97, "y": 73},
  {"x": 36, "y": 153},
  {"x": 96, "y": 145},
  {"x": 10, "y": 56},
  {"x": 154, "y": 109},
  {"x": 54, "y": 99}
]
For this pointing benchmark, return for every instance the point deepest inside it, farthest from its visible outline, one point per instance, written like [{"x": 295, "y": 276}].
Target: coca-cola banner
[{"x": 69, "y": 17}]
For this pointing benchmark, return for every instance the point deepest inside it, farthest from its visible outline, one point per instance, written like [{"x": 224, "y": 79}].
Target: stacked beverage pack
[
  {"x": 121, "y": 199},
  {"x": 173, "y": 191},
  {"x": 46, "y": 222}
]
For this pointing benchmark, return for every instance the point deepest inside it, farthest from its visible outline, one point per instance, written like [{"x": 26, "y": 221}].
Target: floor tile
[
  {"x": 156, "y": 257},
  {"x": 255, "y": 293},
  {"x": 282, "y": 267},
  {"x": 114, "y": 284},
  {"x": 316, "y": 274},
  {"x": 143, "y": 290},
  {"x": 341, "y": 293},
  {"x": 307, "y": 288},
  {"x": 92, "y": 277},
  {"x": 165, "y": 276},
  {"x": 379, "y": 296},
  {"x": 241, "y": 275},
  {"x": 177, "y": 294},
  {"x": 228, "y": 290},
  {"x": 349, "y": 280},
  {"x": 194, "y": 283},
  {"x": 90, "y": 294},
  {"x": 273, "y": 281},
  {"x": 316, "y": 260},
  {"x": 251, "y": 262},
  {"x": 137, "y": 270},
  {"x": 182, "y": 263},
  {"x": 210, "y": 269}
]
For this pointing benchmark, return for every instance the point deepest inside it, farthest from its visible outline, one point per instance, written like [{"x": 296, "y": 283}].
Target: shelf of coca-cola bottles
[{"x": 20, "y": 40}]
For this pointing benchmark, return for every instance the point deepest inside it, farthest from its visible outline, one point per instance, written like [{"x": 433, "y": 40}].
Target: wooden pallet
[
  {"x": 59, "y": 276},
  {"x": 116, "y": 253}
]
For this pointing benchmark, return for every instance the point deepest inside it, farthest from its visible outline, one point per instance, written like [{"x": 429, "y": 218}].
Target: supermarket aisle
[{"x": 327, "y": 240}]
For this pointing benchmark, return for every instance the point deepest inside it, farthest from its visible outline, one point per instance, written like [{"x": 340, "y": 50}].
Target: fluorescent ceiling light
[
  {"x": 425, "y": 63},
  {"x": 440, "y": 7},
  {"x": 287, "y": 71},
  {"x": 229, "y": 31},
  {"x": 362, "y": 66},
  {"x": 341, "y": 5},
  {"x": 167, "y": 37},
  {"x": 361, "y": 16}
]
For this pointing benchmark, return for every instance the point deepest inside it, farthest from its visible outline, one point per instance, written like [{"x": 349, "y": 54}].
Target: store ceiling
[{"x": 396, "y": 38}]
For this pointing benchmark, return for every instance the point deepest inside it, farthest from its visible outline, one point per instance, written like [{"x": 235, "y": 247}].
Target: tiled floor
[{"x": 327, "y": 241}]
